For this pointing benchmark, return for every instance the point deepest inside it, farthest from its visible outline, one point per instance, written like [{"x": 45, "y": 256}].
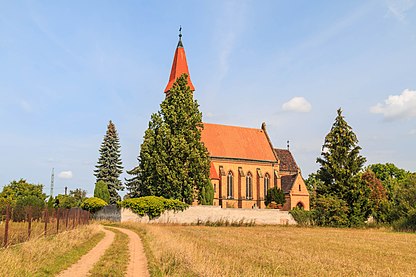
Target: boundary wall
[{"x": 202, "y": 214}]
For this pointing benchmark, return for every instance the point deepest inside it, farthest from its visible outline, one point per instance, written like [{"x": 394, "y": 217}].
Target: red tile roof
[
  {"x": 179, "y": 66},
  {"x": 213, "y": 174},
  {"x": 287, "y": 162},
  {"x": 237, "y": 142}
]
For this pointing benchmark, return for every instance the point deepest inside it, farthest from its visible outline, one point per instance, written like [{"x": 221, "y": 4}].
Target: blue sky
[{"x": 68, "y": 67}]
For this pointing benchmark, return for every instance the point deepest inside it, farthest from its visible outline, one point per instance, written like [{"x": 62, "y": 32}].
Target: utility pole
[{"x": 52, "y": 180}]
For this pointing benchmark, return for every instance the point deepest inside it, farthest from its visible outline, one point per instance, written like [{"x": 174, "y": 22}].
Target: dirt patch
[{"x": 87, "y": 261}]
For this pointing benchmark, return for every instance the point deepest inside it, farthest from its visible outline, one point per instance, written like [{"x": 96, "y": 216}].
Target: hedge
[
  {"x": 93, "y": 204},
  {"x": 153, "y": 206}
]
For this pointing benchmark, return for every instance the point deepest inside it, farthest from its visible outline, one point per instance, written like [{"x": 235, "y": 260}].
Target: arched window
[
  {"x": 299, "y": 205},
  {"x": 249, "y": 186},
  {"x": 266, "y": 183},
  {"x": 230, "y": 185}
]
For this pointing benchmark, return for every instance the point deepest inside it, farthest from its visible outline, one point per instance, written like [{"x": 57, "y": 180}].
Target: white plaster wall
[{"x": 214, "y": 213}]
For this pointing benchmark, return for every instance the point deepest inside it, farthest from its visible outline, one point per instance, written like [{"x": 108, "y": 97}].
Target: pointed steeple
[{"x": 179, "y": 65}]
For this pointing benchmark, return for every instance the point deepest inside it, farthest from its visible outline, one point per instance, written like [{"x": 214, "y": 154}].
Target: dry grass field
[
  {"x": 48, "y": 256},
  {"x": 277, "y": 251}
]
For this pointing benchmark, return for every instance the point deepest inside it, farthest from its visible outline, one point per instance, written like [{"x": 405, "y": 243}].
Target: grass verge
[
  {"x": 114, "y": 261},
  {"x": 165, "y": 265},
  {"x": 48, "y": 256}
]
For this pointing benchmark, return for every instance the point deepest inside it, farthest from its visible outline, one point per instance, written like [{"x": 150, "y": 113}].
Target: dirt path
[
  {"x": 138, "y": 262},
  {"x": 87, "y": 261}
]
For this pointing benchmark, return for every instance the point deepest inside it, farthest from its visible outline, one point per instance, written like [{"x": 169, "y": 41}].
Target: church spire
[{"x": 179, "y": 65}]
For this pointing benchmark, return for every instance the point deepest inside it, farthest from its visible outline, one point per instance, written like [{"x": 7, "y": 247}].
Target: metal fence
[{"x": 20, "y": 224}]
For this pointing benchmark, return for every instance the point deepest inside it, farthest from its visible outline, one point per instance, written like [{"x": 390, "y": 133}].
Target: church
[{"x": 244, "y": 163}]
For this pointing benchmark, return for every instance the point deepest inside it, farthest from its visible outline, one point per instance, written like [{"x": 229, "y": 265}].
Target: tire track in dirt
[
  {"x": 138, "y": 262},
  {"x": 86, "y": 263}
]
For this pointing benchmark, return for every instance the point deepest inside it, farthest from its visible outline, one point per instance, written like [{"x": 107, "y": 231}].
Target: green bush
[
  {"x": 275, "y": 195},
  {"x": 206, "y": 196},
  {"x": 65, "y": 201},
  {"x": 153, "y": 206},
  {"x": 406, "y": 224},
  {"x": 302, "y": 217},
  {"x": 22, "y": 206},
  {"x": 93, "y": 204},
  {"x": 331, "y": 211}
]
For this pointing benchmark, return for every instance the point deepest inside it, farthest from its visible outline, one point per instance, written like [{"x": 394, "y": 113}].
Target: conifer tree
[
  {"x": 340, "y": 164},
  {"x": 173, "y": 162},
  {"x": 101, "y": 191},
  {"x": 109, "y": 166}
]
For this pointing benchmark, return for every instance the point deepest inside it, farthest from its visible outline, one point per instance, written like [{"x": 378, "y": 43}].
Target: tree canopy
[
  {"x": 173, "y": 162},
  {"x": 21, "y": 189}
]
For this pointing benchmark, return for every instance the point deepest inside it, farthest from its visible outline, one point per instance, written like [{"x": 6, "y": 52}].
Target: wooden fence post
[
  {"x": 79, "y": 216},
  {"x": 6, "y": 227},
  {"x": 74, "y": 215},
  {"x": 57, "y": 220},
  {"x": 46, "y": 219},
  {"x": 29, "y": 223},
  {"x": 66, "y": 219}
]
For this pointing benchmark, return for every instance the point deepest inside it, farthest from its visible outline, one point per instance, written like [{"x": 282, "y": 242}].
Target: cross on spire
[{"x": 180, "y": 37}]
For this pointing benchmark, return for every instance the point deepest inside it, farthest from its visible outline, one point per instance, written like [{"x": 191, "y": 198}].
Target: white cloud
[
  {"x": 412, "y": 132},
  {"x": 398, "y": 106},
  {"x": 297, "y": 104},
  {"x": 65, "y": 174}
]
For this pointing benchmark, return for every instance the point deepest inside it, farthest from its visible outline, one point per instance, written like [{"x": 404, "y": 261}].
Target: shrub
[
  {"x": 206, "y": 196},
  {"x": 93, "y": 204},
  {"x": 406, "y": 224},
  {"x": 101, "y": 191},
  {"x": 153, "y": 206},
  {"x": 65, "y": 201},
  {"x": 302, "y": 217},
  {"x": 275, "y": 195},
  {"x": 331, "y": 211},
  {"x": 25, "y": 203}
]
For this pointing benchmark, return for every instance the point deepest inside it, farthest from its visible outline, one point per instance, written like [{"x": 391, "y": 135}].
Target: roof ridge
[{"x": 251, "y": 128}]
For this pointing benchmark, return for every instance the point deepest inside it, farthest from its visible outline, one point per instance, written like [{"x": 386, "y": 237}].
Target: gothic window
[
  {"x": 266, "y": 183},
  {"x": 249, "y": 186},
  {"x": 230, "y": 180},
  {"x": 299, "y": 205}
]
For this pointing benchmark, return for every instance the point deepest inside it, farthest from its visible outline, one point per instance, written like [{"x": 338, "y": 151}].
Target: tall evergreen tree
[
  {"x": 173, "y": 162},
  {"x": 109, "y": 166},
  {"x": 340, "y": 164}
]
